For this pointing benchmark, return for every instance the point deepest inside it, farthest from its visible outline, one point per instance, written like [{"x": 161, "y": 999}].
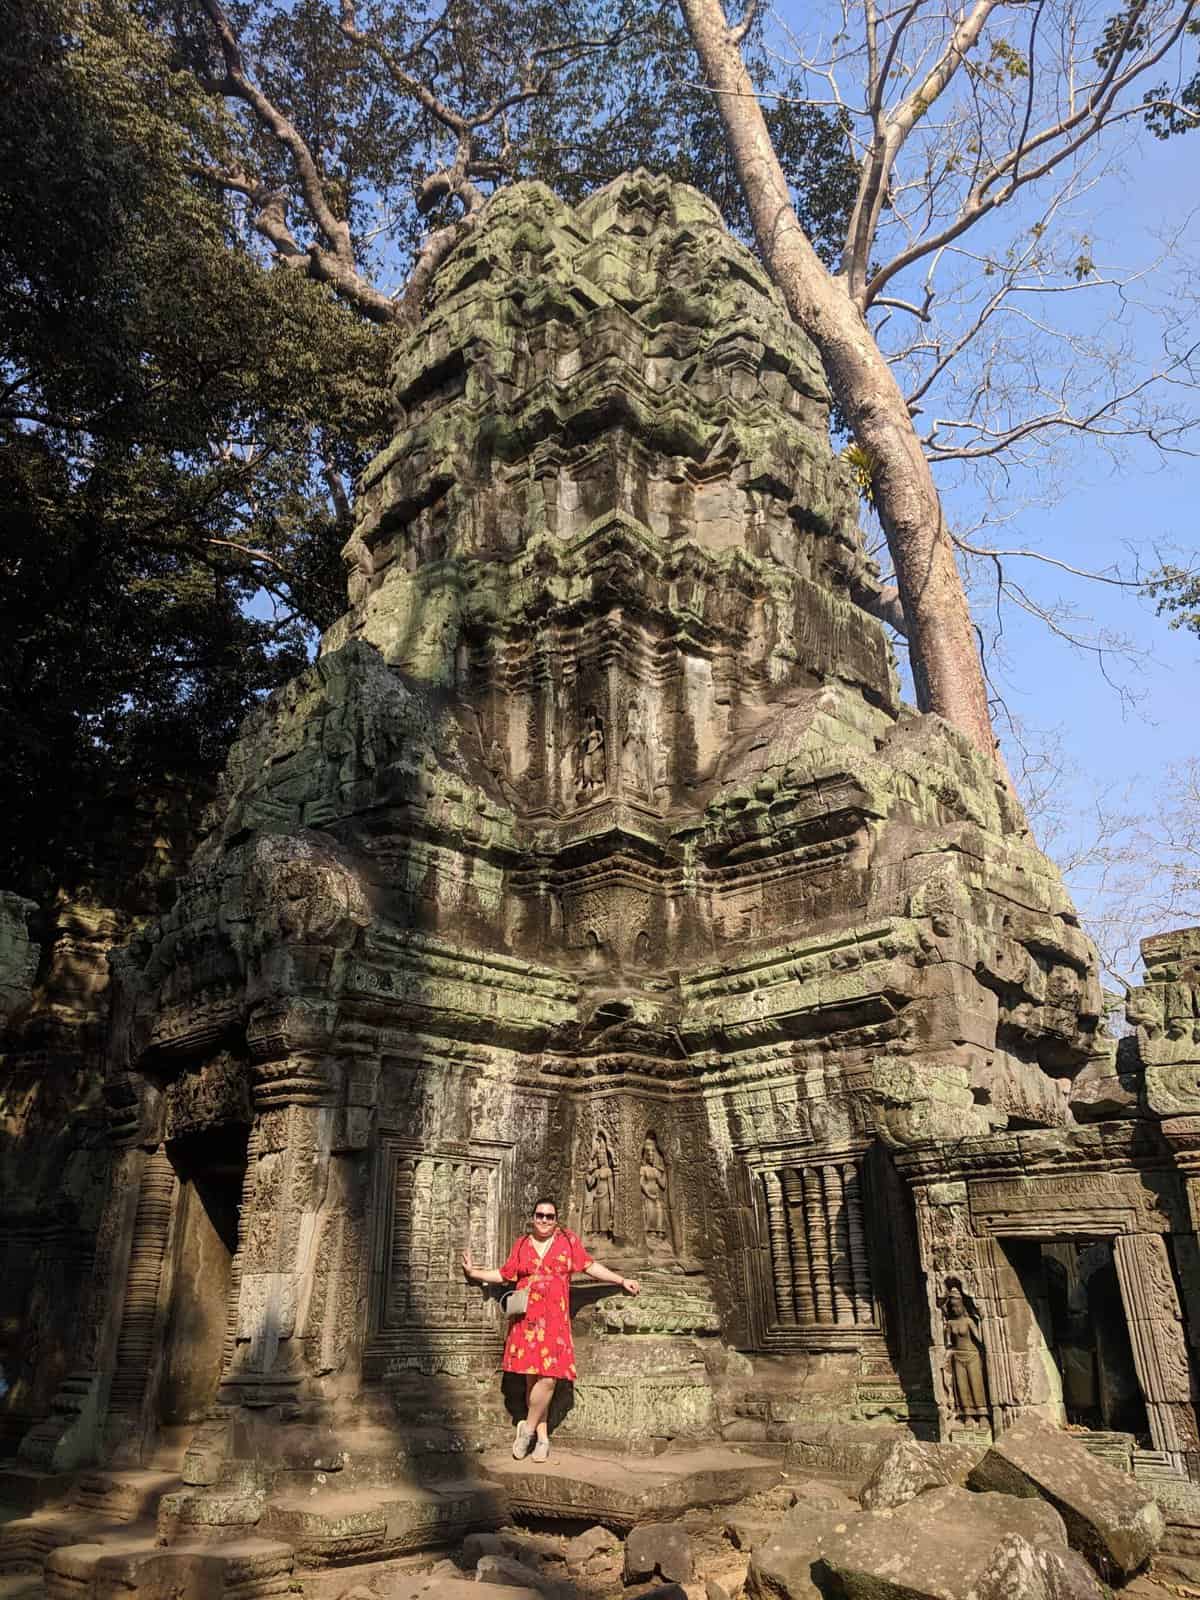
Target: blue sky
[{"x": 1143, "y": 502}]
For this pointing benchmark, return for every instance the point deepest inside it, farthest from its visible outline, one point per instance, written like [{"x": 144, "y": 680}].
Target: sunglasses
[{"x": 545, "y": 1216}]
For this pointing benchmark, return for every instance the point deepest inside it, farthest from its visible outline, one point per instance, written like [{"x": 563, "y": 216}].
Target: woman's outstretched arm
[
  {"x": 603, "y": 1274},
  {"x": 480, "y": 1274}
]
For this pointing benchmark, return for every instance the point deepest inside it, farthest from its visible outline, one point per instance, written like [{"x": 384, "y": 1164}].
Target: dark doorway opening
[
  {"x": 1079, "y": 1328},
  {"x": 212, "y": 1169}
]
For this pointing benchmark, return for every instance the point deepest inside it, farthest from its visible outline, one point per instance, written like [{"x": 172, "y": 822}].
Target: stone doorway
[
  {"x": 211, "y": 1168},
  {"x": 1068, "y": 1329}
]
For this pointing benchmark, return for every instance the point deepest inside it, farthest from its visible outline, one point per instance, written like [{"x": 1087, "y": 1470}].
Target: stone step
[
  {"x": 139, "y": 1569},
  {"x": 621, "y": 1491},
  {"x": 369, "y": 1524},
  {"x": 26, "y": 1490},
  {"x": 123, "y": 1496},
  {"x": 104, "y": 1507}
]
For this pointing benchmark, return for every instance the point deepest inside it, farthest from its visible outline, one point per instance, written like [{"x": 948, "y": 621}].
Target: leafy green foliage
[
  {"x": 163, "y": 394},
  {"x": 1177, "y": 591}
]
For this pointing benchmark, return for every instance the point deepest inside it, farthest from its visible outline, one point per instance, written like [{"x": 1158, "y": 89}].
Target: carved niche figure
[
  {"x": 590, "y": 775},
  {"x": 965, "y": 1345},
  {"x": 653, "y": 1178},
  {"x": 635, "y": 750},
  {"x": 600, "y": 1188}
]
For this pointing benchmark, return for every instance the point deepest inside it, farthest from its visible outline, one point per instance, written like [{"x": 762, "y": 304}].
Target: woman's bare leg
[{"x": 538, "y": 1393}]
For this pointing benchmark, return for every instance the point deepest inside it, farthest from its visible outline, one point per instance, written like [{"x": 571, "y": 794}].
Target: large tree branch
[
  {"x": 1058, "y": 141},
  {"x": 329, "y": 262},
  {"x": 891, "y": 132},
  {"x": 946, "y": 663}
]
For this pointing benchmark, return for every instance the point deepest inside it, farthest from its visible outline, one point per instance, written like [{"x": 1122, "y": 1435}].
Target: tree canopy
[{"x": 196, "y": 317}]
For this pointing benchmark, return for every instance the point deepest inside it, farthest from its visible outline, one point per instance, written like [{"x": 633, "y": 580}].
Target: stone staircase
[{"x": 103, "y": 1541}]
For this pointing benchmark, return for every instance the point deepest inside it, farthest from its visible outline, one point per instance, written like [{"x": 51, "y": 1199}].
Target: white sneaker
[
  {"x": 541, "y": 1449},
  {"x": 523, "y": 1441}
]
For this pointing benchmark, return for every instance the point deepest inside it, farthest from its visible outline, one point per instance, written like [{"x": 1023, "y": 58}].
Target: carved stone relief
[
  {"x": 656, "y": 1209},
  {"x": 600, "y": 1187},
  {"x": 967, "y": 1384}
]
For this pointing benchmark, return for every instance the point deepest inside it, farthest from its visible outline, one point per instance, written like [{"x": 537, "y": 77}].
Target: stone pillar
[
  {"x": 71, "y": 1434},
  {"x": 300, "y": 1251},
  {"x": 1165, "y": 1011},
  {"x": 948, "y": 1249},
  {"x": 143, "y": 1313},
  {"x": 1156, "y": 1332}
]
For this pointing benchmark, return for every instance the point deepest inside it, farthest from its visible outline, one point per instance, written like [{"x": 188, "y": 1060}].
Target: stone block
[
  {"x": 905, "y": 1471},
  {"x": 623, "y": 1493},
  {"x": 658, "y": 1547},
  {"x": 1020, "y": 1571},
  {"x": 468, "y": 1589},
  {"x": 933, "y": 1548},
  {"x": 910, "y": 1466},
  {"x": 1108, "y": 1515},
  {"x": 477, "y": 1545},
  {"x": 508, "y": 1571},
  {"x": 592, "y": 1547}
]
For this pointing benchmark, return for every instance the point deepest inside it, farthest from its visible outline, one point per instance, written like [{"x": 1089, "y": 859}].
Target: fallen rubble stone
[
  {"x": 824, "y": 1497},
  {"x": 935, "y": 1547},
  {"x": 461, "y": 1588},
  {"x": 662, "y": 1547},
  {"x": 1109, "y": 1516},
  {"x": 506, "y": 1570},
  {"x": 591, "y": 1546},
  {"x": 1019, "y": 1571},
  {"x": 476, "y": 1545},
  {"x": 911, "y": 1466},
  {"x": 744, "y": 1533},
  {"x": 905, "y": 1470}
]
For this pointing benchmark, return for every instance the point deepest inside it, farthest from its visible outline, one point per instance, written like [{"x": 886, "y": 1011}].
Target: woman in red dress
[{"x": 539, "y": 1342}]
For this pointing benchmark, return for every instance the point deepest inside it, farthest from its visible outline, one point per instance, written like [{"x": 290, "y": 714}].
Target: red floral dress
[{"x": 540, "y": 1341}]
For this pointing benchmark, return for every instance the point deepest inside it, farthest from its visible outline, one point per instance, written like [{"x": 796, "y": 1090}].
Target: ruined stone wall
[{"x": 55, "y": 1151}]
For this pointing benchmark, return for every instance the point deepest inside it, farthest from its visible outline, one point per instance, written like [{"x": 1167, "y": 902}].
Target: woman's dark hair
[{"x": 546, "y": 1200}]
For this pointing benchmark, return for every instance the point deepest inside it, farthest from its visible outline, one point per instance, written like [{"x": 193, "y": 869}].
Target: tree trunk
[{"x": 945, "y": 658}]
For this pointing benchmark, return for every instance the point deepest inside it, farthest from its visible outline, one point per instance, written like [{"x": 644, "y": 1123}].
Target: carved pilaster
[
  {"x": 70, "y": 1435},
  {"x": 950, "y": 1251},
  {"x": 1156, "y": 1332}
]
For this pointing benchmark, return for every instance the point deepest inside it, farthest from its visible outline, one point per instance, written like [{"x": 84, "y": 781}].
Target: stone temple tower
[{"x": 595, "y": 856}]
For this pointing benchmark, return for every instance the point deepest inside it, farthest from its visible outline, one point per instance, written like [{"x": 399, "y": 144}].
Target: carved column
[
  {"x": 818, "y": 1243},
  {"x": 783, "y": 1281},
  {"x": 1156, "y": 1334},
  {"x": 949, "y": 1249},
  {"x": 837, "y": 1223},
  {"x": 860, "y": 1264},
  {"x": 801, "y": 1259}
]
